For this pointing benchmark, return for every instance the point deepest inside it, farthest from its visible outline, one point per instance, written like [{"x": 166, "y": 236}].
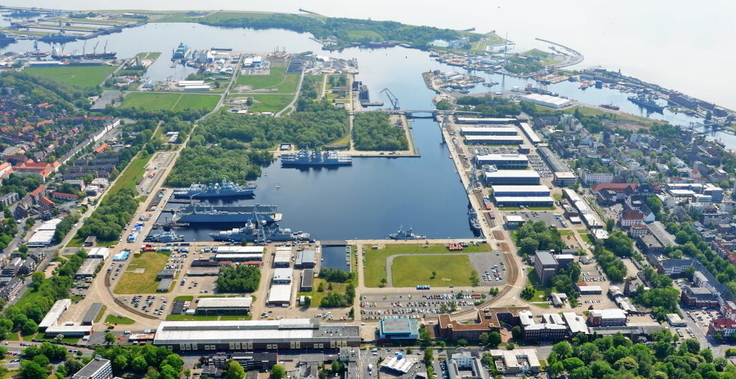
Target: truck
[{"x": 370, "y": 367}]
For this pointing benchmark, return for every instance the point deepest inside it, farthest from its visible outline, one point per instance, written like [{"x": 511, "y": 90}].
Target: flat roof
[
  {"x": 590, "y": 289},
  {"x": 403, "y": 325},
  {"x": 92, "y": 313},
  {"x": 513, "y": 218},
  {"x": 89, "y": 266},
  {"x": 524, "y": 199},
  {"x": 91, "y": 368},
  {"x": 546, "y": 258},
  {"x": 164, "y": 285},
  {"x": 402, "y": 365},
  {"x": 279, "y": 293},
  {"x": 499, "y": 129},
  {"x": 283, "y": 273},
  {"x": 565, "y": 175},
  {"x": 250, "y": 257},
  {"x": 511, "y": 357},
  {"x": 176, "y": 332},
  {"x": 613, "y": 313},
  {"x": 539, "y": 98},
  {"x": 486, "y": 120},
  {"x": 502, "y": 157},
  {"x": 54, "y": 314},
  {"x": 225, "y": 302},
  {"x": 306, "y": 256},
  {"x": 517, "y": 188},
  {"x": 514, "y": 139},
  {"x": 238, "y": 249},
  {"x": 282, "y": 256},
  {"x": 511, "y": 174}
]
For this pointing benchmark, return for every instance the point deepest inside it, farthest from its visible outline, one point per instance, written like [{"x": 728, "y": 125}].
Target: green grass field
[
  {"x": 184, "y": 298},
  {"x": 318, "y": 296},
  {"x": 278, "y": 79},
  {"x": 566, "y": 232},
  {"x": 270, "y": 103},
  {"x": 133, "y": 283},
  {"x": 364, "y": 33},
  {"x": 80, "y": 76},
  {"x": 409, "y": 271},
  {"x": 169, "y": 101},
  {"x": 190, "y": 318},
  {"x": 111, "y": 319},
  {"x": 374, "y": 268}
]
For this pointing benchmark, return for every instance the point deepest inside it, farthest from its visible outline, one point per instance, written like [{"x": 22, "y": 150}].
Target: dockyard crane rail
[{"x": 392, "y": 98}]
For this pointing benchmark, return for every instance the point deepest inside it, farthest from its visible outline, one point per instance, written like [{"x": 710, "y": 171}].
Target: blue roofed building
[{"x": 398, "y": 329}]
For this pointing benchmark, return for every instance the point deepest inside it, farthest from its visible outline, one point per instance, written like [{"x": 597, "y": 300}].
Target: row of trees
[
  {"x": 111, "y": 217},
  {"x": 618, "y": 357},
  {"x": 335, "y": 275},
  {"x": 490, "y": 106},
  {"x": 373, "y": 131},
  {"x": 151, "y": 361},
  {"x": 238, "y": 279},
  {"x": 536, "y": 235},
  {"x": 610, "y": 264},
  {"x": 65, "y": 226}
]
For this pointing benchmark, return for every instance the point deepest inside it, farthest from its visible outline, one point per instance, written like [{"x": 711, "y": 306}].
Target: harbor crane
[{"x": 392, "y": 98}]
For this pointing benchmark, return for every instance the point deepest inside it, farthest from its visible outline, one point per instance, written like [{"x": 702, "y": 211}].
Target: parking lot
[
  {"x": 417, "y": 305},
  {"x": 538, "y": 164}
]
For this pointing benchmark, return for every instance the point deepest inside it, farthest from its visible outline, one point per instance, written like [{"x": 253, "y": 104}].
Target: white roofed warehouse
[
  {"x": 224, "y": 305},
  {"x": 286, "y": 334}
]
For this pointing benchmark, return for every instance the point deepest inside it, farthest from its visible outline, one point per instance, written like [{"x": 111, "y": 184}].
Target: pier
[{"x": 576, "y": 56}]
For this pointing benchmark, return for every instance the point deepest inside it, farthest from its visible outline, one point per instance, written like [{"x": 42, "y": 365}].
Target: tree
[
  {"x": 556, "y": 369},
  {"x": 72, "y": 365},
  {"x": 562, "y": 349},
  {"x": 110, "y": 339},
  {"x": 428, "y": 357},
  {"x": 234, "y": 371},
  {"x": 516, "y": 332},
  {"x": 140, "y": 365},
  {"x": 32, "y": 370},
  {"x": 494, "y": 339},
  {"x": 278, "y": 372},
  {"x": 29, "y": 327},
  {"x": 42, "y": 360},
  {"x": 483, "y": 339},
  {"x": 175, "y": 361}
]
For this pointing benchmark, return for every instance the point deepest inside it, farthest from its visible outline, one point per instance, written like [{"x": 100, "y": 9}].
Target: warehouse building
[
  {"x": 493, "y": 140},
  {"x": 282, "y": 257},
  {"x": 279, "y": 295},
  {"x": 53, "y": 315},
  {"x": 92, "y": 313},
  {"x": 534, "y": 190},
  {"x": 164, "y": 285},
  {"x": 239, "y": 257},
  {"x": 238, "y": 250},
  {"x": 224, "y": 305},
  {"x": 503, "y": 161},
  {"x": 487, "y": 131},
  {"x": 490, "y": 121},
  {"x": 523, "y": 201},
  {"x": 306, "y": 259},
  {"x": 547, "y": 101},
  {"x": 403, "y": 328},
  {"x": 511, "y": 177},
  {"x": 99, "y": 252},
  {"x": 513, "y": 221},
  {"x": 307, "y": 283},
  {"x": 285, "y": 334},
  {"x": 564, "y": 178},
  {"x": 515, "y": 361},
  {"x": 530, "y": 134},
  {"x": 68, "y": 331},
  {"x": 283, "y": 275},
  {"x": 89, "y": 268}
]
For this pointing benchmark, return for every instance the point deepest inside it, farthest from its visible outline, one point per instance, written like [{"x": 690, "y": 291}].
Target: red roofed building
[
  {"x": 608, "y": 193},
  {"x": 631, "y": 217},
  {"x": 44, "y": 201},
  {"x": 64, "y": 196},
  {"x": 44, "y": 105},
  {"x": 101, "y": 148},
  {"x": 38, "y": 193},
  {"x": 725, "y": 326},
  {"x": 39, "y": 169}
]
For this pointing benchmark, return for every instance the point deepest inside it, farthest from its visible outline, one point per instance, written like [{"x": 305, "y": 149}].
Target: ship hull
[
  {"x": 315, "y": 164},
  {"x": 204, "y": 195}
]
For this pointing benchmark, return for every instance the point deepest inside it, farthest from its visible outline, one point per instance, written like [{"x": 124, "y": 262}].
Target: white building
[{"x": 547, "y": 101}]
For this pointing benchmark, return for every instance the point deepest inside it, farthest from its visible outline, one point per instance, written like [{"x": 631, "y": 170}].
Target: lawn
[
  {"x": 184, "y": 298},
  {"x": 129, "y": 177},
  {"x": 364, "y": 33},
  {"x": 169, "y": 101},
  {"x": 566, "y": 232},
  {"x": 587, "y": 238},
  {"x": 270, "y": 103},
  {"x": 318, "y": 296},
  {"x": 375, "y": 260},
  {"x": 191, "y": 318},
  {"x": 277, "y": 79},
  {"x": 235, "y": 317},
  {"x": 111, "y": 319},
  {"x": 102, "y": 313},
  {"x": 80, "y": 76},
  {"x": 136, "y": 283},
  {"x": 409, "y": 271}
]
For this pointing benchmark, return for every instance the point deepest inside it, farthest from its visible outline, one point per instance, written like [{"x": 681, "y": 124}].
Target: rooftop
[{"x": 225, "y": 302}]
